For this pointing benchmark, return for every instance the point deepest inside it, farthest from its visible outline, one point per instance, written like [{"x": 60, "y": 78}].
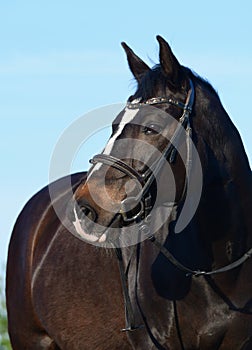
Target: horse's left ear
[{"x": 169, "y": 63}]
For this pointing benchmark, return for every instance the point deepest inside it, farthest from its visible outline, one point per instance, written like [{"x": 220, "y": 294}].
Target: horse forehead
[
  {"x": 128, "y": 116},
  {"x": 135, "y": 114}
]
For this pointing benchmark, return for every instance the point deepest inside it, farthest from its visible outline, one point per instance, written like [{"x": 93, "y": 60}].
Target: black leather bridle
[
  {"x": 142, "y": 202},
  {"x": 136, "y": 208}
]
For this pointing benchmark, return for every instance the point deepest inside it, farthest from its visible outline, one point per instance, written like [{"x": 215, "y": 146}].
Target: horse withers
[{"x": 169, "y": 199}]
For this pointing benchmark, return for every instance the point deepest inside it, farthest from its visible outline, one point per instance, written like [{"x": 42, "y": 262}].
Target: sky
[{"x": 60, "y": 60}]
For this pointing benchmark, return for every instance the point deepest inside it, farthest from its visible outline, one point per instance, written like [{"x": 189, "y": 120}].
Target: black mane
[{"x": 155, "y": 78}]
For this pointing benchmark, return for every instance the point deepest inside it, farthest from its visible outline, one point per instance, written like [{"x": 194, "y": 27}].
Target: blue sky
[{"x": 61, "y": 59}]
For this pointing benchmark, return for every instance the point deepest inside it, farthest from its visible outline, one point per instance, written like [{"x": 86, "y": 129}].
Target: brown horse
[{"x": 171, "y": 194}]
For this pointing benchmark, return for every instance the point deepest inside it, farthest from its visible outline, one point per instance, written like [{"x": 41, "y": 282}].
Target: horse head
[{"x": 146, "y": 162}]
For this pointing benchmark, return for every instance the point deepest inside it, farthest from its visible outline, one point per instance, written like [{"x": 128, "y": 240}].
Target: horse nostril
[{"x": 84, "y": 210}]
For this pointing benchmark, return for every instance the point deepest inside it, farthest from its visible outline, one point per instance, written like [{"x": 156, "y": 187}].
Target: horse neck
[{"x": 225, "y": 219}]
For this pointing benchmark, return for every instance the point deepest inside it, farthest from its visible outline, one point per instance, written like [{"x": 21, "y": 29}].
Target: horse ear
[
  {"x": 169, "y": 63},
  {"x": 137, "y": 66}
]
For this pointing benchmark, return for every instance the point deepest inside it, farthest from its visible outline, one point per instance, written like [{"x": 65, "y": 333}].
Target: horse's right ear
[
  {"x": 137, "y": 66},
  {"x": 169, "y": 63}
]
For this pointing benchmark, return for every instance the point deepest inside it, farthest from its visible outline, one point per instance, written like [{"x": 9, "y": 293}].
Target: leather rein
[{"x": 142, "y": 202}]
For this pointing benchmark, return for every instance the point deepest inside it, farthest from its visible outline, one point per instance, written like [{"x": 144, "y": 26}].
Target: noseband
[{"x": 136, "y": 208}]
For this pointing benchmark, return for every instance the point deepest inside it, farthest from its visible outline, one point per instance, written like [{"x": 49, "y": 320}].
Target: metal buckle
[{"x": 131, "y": 205}]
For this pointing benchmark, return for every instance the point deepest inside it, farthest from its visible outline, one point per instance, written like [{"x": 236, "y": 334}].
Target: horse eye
[{"x": 151, "y": 129}]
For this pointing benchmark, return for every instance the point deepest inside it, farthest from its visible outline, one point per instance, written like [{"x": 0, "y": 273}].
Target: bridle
[
  {"x": 134, "y": 209},
  {"x": 142, "y": 203}
]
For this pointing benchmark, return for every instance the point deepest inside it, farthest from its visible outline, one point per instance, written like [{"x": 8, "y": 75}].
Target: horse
[{"x": 156, "y": 234}]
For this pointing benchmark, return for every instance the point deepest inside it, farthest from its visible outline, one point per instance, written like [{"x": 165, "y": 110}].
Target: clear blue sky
[{"x": 61, "y": 59}]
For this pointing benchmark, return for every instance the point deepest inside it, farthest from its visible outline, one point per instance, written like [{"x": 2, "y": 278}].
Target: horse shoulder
[{"x": 55, "y": 281}]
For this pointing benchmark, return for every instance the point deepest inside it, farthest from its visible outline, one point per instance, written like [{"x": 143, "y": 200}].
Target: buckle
[{"x": 131, "y": 209}]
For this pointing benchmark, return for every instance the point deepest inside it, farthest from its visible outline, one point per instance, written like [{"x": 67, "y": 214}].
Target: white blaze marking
[{"x": 128, "y": 116}]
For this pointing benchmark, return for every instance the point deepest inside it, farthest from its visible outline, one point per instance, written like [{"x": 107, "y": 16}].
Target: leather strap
[
  {"x": 196, "y": 273},
  {"x": 117, "y": 164}
]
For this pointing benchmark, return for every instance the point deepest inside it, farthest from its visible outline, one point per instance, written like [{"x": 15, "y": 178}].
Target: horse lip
[{"x": 103, "y": 238}]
